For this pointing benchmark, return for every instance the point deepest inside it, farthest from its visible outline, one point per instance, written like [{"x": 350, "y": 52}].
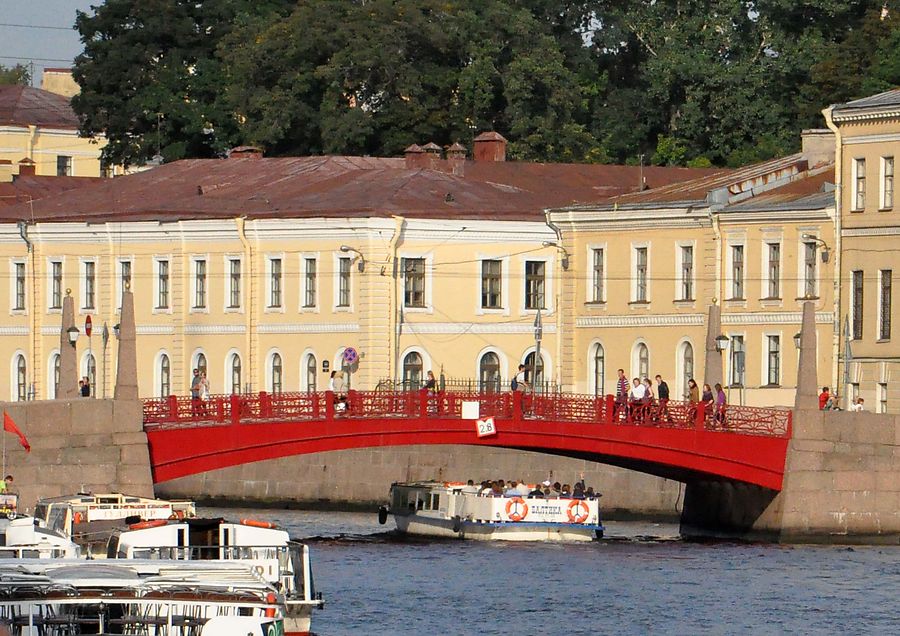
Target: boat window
[
  {"x": 57, "y": 519},
  {"x": 40, "y": 512},
  {"x": 420, "y": 503},
  {"x": 435, "y": 501}
]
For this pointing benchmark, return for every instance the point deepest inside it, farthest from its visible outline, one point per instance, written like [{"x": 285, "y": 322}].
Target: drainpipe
[
  {"x": 394, "y": 308},
  {"x": 838, "y": 190},
  {"x": 717, "y": 231},
  {"x": 32, "y": 133},
  {"x": 559, "y": 332},
  {"x": 248, "y": 336},
  {"x": 33, "y": 344}
]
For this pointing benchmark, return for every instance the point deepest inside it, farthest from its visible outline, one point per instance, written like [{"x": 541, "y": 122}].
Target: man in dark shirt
[
  {"x": 662, "y": 390},
  {"x": 621, "y": 391}
]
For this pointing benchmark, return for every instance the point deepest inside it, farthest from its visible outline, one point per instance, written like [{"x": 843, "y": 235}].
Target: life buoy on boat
[
  {"x": 382, "y": 515},
  {"x": 253, "y": 523},
  {"x": 516, "y": 509},
  {"x": 270, "y": 599},
  {"x": 155, "y": 523},
  {"x": 578, "y": 511}
]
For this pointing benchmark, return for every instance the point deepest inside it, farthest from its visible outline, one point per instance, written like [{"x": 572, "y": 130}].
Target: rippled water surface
[{"x": 640, "y": 580}]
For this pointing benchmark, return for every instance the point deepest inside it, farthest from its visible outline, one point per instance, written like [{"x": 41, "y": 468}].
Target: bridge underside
[{"x": 683, "y": 454}]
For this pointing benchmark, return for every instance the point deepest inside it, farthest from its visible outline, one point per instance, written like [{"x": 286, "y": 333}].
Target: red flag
[{"x": 10, "y": 427}]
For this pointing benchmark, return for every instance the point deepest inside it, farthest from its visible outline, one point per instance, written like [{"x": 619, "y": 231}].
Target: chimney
[
  {"x": 415, "y": 157},
  {"x": 26, "y": 167},
  {"x": 433, "y": 154},
  {"x": 456, "y": 157},
  {"x": 245, "y": 152},
  {"x": 817, "y": 146},
  {"x": 490, "y": 146}
]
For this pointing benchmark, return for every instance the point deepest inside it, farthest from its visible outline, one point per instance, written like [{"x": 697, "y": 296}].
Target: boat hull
[{"x": 488, "y": 531}]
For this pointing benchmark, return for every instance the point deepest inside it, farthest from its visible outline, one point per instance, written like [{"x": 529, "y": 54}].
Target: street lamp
[
  {"x": 797, "y": 338},
  {"x": 73, "y": 334},
  {"x": 361, "y": 265},
  {"x": 826, "y": 251},
  {"x": 565, "y": 258},
  {"x": 116, "y": 329},
  {"x": 721, "y": 343}
]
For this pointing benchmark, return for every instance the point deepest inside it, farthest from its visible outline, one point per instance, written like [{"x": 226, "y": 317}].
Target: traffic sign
[
  {"x": 87, "y": 325},
  {"x": 350, "y": 355}
]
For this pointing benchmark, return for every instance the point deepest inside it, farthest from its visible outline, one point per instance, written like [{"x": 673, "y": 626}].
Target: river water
[{"x": 639, "y": 580}]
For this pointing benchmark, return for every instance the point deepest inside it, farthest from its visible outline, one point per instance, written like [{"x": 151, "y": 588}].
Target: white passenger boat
[
  {"x": 442, "y": 509},
  {"x": 22, "y": 538},
  {"x": 52, "y": 597}
]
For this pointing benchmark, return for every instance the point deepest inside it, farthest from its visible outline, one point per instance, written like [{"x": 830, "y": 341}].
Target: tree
[{"x": 18, "y": 74}]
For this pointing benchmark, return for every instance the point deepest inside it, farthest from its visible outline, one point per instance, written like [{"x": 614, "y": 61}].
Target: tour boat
[
  {"x": 442, "y": 509},
  {"x": 89, "y": 519},
  {"x": 57, "y": 597},
  {"x": 261, "y": 545},
  {"x": 22, "y": 538}
]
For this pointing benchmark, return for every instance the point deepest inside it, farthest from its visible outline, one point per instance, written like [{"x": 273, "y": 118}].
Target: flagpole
[{"x": 3, "y": 476}]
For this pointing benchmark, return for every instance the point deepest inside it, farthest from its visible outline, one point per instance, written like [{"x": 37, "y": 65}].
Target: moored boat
[{"x": 443, "y": 509}]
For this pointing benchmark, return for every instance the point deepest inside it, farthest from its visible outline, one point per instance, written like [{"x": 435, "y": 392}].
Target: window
[
  {"x": 597, "y": 275},
  {"x": 412, "y": 371},
  {"x": 859, "y": 184},
  {"x": 309, "y": 283},
  {"x": 63, "y": 166},
  {"x": 200, "y": 284},
  {"x": 19, "y": 292},
  {"x": 737, "y": 272},
  {"x": 54, "y": 376},
  {"x": 687, "y": 272},
  {"x": 489, "y": 373},
  {"x": 311, "y": 369},
  {"x": 162, "y": 284},
  {"x": 884, "y": 314},
  {"x": 774, "y": 270},
  {"x": 413, "y": 282},
  {"x": 21, "y": 379},
  {"x": 534, "y": 371},
  {"x": 534, "y": 284},
  {"x": 882, "y": 397},
  {"x": 687, "y": 368},
  {"x": 490, "y": 284},
  {"x": 774, "y": 367},
  {"x": 124, "y": 280},
  {"x": 809, "y": 269},
  {"x": 856, "y": 307},
  {"x": 234, "y": 284},
  {"x": 599, "y": 368},
  {"x": 90, "y": 284},
  {"x": 90, "y": 370},
  {"x": 165, "y": 376},
  {"x": 643, "y": 361},
  {"x": 737, "y": 361},
  {"x": 275, "y": 282},
  {"x": 640, "y": 274},
  {"x": 276, "y": 373},
  {"x": 201, "y": 363},
  {"x": 887, "y": 183},
  {"x": 235, "y": 374},
  {"x": 56, "y": 270},
  {"x": 343, "y": 282}
]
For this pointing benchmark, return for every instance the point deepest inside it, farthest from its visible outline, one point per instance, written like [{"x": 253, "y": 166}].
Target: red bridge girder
[{"x": 677, "y": 440}]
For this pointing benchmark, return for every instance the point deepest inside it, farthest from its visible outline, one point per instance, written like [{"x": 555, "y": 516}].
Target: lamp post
[
  {"x": 361, "y": 265},
  {"x": 538, "y": 335},
  {"x": 104, "y": 336}
]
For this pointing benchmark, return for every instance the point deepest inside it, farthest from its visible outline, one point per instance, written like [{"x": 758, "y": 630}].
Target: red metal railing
[{"x": 180, "y": 411}]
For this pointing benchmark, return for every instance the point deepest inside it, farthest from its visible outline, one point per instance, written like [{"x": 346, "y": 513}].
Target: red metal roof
[
  {"x": 29, "y": 187},
  {"x": 27, "y": 106},
  {"x": 341, "y": 186}
]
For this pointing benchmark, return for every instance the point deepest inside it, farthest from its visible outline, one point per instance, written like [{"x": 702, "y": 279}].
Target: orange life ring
[
  {"x": 143, "y": 525},
  {"x": 270, "y": 599},
  {"x": 258, "y": 524},
  {"x": 514, "y": 512},
  {"x": 574, "y": 516},
  {"x": 179, "y": 514},
  {"x": 77, "y": 517}
]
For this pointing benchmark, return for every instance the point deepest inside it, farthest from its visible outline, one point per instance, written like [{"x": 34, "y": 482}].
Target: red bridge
[{"x": 680, "y": 441}]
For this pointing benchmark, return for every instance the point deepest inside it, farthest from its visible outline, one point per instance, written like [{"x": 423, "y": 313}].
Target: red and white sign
[
  {"x": 87, "y": 325},
  {"x": 485, "y": 427}
]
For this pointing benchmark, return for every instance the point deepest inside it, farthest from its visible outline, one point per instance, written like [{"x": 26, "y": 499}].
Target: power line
[
  {"x": 36, "y": 26},
  {"x": 35, "y": 59}
]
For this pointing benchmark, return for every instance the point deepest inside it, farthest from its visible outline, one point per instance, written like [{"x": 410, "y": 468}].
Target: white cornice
[
  {"x": 14, "y": 331},
  {"x": 457, "y": 328},
  {"x": 154, "y": 330},
  {"x": 292, "y": 328},
  {"x": 870, "y": 139},
  {"x": 774, "y": 318},
  {"x": 210, "y": 330},
  {"x": 888, "y": 230},
  {"x": 864, "y": 115},
  {"x": 662, "y": 320}
]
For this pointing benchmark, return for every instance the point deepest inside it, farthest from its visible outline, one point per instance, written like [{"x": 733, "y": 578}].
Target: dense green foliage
[
  {"x": 17, "y": 74},
  {"x": 680, "y": 82}
]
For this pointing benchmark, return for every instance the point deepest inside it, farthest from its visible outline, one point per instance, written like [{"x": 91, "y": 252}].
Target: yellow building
[
  {"x": 262, "y": 271},
  {"x": 757, "y": 242},
  {"x": 41, "y": 126},
  {"x": 867, "y": 141}
]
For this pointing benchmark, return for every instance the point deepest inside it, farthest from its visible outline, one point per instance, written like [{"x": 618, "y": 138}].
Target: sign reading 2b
[{"x": 485, "y": 427}]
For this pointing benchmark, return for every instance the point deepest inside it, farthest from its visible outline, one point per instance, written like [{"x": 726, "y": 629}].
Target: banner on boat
[{"x": 536, "y": 510}]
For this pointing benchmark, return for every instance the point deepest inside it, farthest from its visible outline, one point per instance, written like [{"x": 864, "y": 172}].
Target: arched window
[
  {"x": 489, "y": 372},
  {"x": 598, "y": 366},
  {"x": 687, "y": 366},
  {"x": 201, "y": 363},
  {"x": 311, "y": 368},
  {"x": 165, "y": 376},
  {"x": 534, "y": 373},
  {"x": 235, "y": 374},
  {"x": 276, "y": 373},
  {"x": 21, "y": 379},
  {"x": 643, "y": 361},
  {"x": 412, "y": 371},
  {"x": 91, "y": 373},
  {"x": 54, "y": 376}
]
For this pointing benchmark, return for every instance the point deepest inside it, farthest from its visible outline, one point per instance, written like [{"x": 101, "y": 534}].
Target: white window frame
[
  {"x": 589, "y": 274},
  {"x": 336, "y": 283},
  {"x": 429, "y": 281},
  {"x": 636, "y": 361},
  {"x": 316, "y": 307},
  {"x": 157, "y": 258},
  {"x": 730, "y": 280},
  {"x": 767, "y": 278},
  {"x": 14, "y": 375},
  {"x": 801, "y": 268},
  {"x": 881, "y": 402},
  {"x": 195, "y": 258},
  {"x": 270, "y": 359},
  {"x": 503, "y": 309},
  {"x": 70, "y": 166},
  {"x": 277, "y": 309},
  {"x": 304, "y": 364},
  {"x": 679, "y": 273},
  {"x": 119, "y": 285},
  {"x": 729, "y": 377},
  {"x": 50, "y": 393},
  {"x": 226, "y": 300},
  {"x": 548, "y": 262},
  {"x": 880, "y": 315},
  {"x": 157, "y": 374},
  {"x": 62, "y": 284},
  {"x": 854, "y": 206},
  {"x": 764, "y": 368},
  {"x": 635, "y": 246},
  {"x": 883, "y": 203},
  {"x": 82, "y": 283},
  {"x": 13, "y": 285}
]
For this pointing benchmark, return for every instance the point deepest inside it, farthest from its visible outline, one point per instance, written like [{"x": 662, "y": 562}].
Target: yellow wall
[{"x": 45, "y": 145}]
